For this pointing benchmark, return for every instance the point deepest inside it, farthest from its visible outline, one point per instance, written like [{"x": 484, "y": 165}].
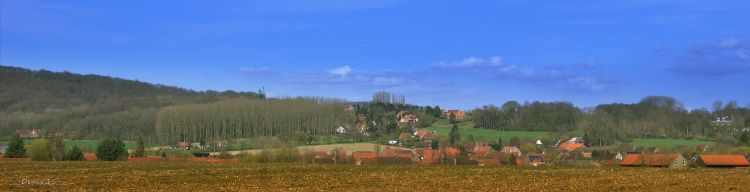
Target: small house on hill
[
  {"x": 457, "y": 113},
  {"x": 655, "y": 160},
  {"x": 409, "y": 118},
  {"x": 723, "y": 161},
  {"x": 26, "y": 134}
]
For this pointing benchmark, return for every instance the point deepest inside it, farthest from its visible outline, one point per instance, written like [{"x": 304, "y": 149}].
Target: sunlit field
[{"x": 123, "y": 176}]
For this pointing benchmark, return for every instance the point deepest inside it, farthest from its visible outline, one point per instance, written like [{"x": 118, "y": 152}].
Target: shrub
[
  {"x": 15, "y": 147},
  {"x": 38, "y": 150},
  {"x": 111, "y": 150},
  {"x": 74, "y": 154},
  {"x": 225, "y": 155},
  {"x": 140, "y": 150}
]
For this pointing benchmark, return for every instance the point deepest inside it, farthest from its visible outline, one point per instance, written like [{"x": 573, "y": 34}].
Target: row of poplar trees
[{"x": 245, "y": 118}]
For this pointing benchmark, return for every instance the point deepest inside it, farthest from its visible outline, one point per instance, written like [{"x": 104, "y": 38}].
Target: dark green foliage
[
  {"x": 745, "y": 138},
  {"x": 15, "y": 147},
  {"x": 515, "y": 141},
  {"x": 111, "y": 150},
  {"x": 74, "y": 154},
  {"x": 454, "y": 135},
  {"x": 140, "y": 150},
  {"x": 89, "y": 106},
  {"x": 452, "y": 118}
]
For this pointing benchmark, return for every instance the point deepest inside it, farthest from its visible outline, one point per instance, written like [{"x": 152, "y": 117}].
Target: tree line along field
[{"x": 122, "y": 176}]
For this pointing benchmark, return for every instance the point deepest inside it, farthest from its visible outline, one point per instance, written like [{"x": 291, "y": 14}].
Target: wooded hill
[{"x": 89, "y": 106}]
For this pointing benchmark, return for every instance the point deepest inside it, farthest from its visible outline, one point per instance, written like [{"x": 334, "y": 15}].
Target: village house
[
  {"x": 728, "y": 161},
  {"x": 510, "y": 150},
  {"x": 458, "y": 113},
  {"x": 477, "y": 151},
  {"x": 655, "y": 160},
  {"x": 568, "y": 147},
  {"x": 364, "y": 157},
  {"x": 533, "y": 160},
  {"x": 27, "y": 134},
  {"x": 408, "y": 118}
]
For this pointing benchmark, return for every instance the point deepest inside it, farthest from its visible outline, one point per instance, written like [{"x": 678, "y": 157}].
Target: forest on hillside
[{"x": 89, "y": 106}]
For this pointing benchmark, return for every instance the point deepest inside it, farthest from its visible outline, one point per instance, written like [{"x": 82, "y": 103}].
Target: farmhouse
[
  {"x": 458, "y": 113},
  {"x": 409, "y": 118},
  {"x": 33, "y": 133},
  {"x": 655, "y": 160},
  {"x": 723, "y": 161}
]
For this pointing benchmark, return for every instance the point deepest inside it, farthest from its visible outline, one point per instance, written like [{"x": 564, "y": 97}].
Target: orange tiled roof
[
  {"x": 89, "y": 156},
  {"x": 451, "y": 151},
  {"x": 649, "y": 159},
  {"x": 570, "y": 146},
  {"x": 724, "y": 160}
]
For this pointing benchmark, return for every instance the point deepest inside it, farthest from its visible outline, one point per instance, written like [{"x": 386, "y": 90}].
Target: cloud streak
[
  {"x": 725, "y": 57},
  {"x": 562, "y": 77}
]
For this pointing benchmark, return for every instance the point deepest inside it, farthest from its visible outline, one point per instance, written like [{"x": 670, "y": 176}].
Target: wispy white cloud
[
  {"x": 341, "y": 71},
  {"x": 562, "y": 77}
]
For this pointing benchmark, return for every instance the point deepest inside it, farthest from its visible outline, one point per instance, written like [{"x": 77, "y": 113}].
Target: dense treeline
[
  {"x": 652, "y": 117},
  {"x": 246, "y": 118},
  {"x": 89, "y": 106},
  {"x": 536, "y": 116}
]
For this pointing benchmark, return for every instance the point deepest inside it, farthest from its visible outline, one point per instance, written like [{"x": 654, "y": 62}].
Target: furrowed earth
[{"x": 182, "y": 176}]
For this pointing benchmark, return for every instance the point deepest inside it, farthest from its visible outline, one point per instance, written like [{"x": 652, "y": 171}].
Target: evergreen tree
[
  {"x": 454, "y": 135},
  {"x": 74, "y": 154},
  {"x": 140, "y": 150},
  {"x": 15, "y": 147},
  {"x": 111, "y": 150},
  {"x": 745, "y": 139}
]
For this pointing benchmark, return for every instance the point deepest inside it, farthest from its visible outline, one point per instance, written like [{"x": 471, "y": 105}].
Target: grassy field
[
  {"x": 121, "y": 176},
  {"x": 491, "y": 134},
  {"x": 443, "y": 128},
  {"x": 670, "y": 142}
]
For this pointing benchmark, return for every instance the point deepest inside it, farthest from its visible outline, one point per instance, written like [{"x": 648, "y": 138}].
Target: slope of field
[
  {"x": 670, "y": 142},
  {"x": 443, "y": 128},
  {"x": 121, "y": 176},
  {"x": 349, "y": 147}
]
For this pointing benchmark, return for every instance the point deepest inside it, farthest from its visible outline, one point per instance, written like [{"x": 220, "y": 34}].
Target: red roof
[
  {"x": 364, "y": 155},
  {"x": 89, "y": 156},
  {"x": 724, "y": 160},
  {"x": 649, "y": 159},
  {"x": 451, "y": 151},
  {"x": 570, "y": 146}
]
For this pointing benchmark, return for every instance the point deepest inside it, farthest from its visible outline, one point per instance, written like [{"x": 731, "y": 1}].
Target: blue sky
[{"x": 455, "y": 54}]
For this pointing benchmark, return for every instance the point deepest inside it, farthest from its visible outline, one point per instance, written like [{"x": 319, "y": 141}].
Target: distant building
[
  {"x": 655, "y": 160},
  {"x": 26, "y": 134},
  {"x": 511, "y": 150},
  {"x": 364, "y": 157},
  {"x": 534, "y": 160},
  {"x": 458, "y": 113},
  {"x": 722, "y": 161},
  {"x": 409, "y": 118}
]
